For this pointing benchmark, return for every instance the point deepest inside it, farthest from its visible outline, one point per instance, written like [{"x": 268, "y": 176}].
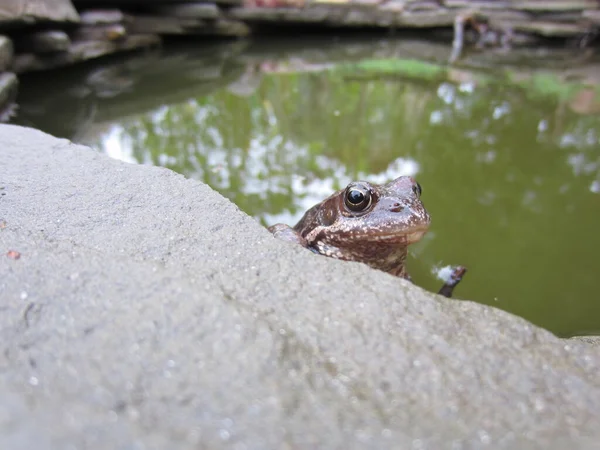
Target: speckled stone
[{"x": 147, "y": 311}]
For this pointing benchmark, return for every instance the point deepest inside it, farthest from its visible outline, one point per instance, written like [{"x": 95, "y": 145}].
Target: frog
[{"x": 368, "y": 223}]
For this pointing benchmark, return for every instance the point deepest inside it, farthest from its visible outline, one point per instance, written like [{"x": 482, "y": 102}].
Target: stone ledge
[
  {"x": 52, "y": 33},
  {"x": 27, "y": 12},
  {"x": 81, "y": 51},
  {"x": 147, "y": 310}
]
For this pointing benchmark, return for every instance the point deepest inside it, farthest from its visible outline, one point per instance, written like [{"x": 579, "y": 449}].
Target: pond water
[{"x": 511, "y": 180}]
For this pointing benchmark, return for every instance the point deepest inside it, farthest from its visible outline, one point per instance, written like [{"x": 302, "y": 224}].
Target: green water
[{"x": 511, "y": 179}]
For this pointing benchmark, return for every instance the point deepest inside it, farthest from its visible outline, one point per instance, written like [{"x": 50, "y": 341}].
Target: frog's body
[{"x": 370, "y": 223}]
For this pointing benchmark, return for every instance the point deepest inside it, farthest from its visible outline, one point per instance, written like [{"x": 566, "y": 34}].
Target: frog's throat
[{"x": 404, "y": 238}]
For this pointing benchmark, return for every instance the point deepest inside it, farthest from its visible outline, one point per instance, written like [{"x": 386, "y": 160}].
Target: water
[{"x": 510, "y": 177}]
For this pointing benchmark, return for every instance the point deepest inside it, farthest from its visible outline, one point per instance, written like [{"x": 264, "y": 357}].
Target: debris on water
[
  {"x": 443, "y": 273},
  {"x": 451, "y": 276}
]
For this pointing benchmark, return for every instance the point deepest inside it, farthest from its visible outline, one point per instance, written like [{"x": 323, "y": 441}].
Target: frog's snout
[{"x": 392, "y": 205}]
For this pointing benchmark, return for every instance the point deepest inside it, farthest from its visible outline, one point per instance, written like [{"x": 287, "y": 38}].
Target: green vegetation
[{"x": 533, "y": 84}]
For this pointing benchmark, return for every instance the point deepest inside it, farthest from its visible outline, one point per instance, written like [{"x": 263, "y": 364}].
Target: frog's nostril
[{"x": 396, "y": 207}]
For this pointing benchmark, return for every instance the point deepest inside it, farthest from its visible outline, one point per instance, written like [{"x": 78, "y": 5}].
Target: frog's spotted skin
[{"x": 370, "y": 223}]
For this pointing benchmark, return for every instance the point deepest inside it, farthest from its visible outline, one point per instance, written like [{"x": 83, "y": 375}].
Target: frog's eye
[
  {"x": 417, "y": 189},
  {"x": 358, "y": 198}
]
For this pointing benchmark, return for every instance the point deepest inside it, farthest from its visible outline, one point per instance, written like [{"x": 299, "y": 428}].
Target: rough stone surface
[
  {"x": 6, "y": 52},
  {"x": 146, "y": 311},
  {"x": 30, "y": 11}
]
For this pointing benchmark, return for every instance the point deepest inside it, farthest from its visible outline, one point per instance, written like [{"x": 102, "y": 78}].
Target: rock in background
[
  {"x": 8, "y": 80},
  {"x": 47, "y": 34}
]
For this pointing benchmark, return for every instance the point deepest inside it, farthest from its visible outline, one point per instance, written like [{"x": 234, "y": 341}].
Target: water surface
[{"x": 511, "y": 180}]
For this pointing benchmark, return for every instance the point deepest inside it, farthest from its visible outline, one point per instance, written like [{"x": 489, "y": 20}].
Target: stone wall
[{"x": 45, "y": 34}]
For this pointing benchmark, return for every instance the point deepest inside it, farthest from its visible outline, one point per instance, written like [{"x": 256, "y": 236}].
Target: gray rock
[
  {"x": 532, "y": 5},
  {"x": 222, "y": 27},
  {"x": 101, "y": 16},
  {"x": 47, "y": 41},
  {"x": 82, "y": 51},
  {"x": 191, "y": 10},
  {"x": 592, "y": 15},
  {"x": 349, "y": 15},
  {"x": 144, "y": 3},
  {"x": 21, "y": 12},
  {"x": 147, "y": 23},
  {"x": 146, "y": 311},
  {"x": 9, "y": 86},
  {"x": 105, "y": 32},
  {"x": 426, "y": 19},
  {"x": 6, "y": 52}
]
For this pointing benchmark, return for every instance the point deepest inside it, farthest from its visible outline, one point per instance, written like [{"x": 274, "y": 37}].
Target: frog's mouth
[
  {"x": 416, "y": 236},
  {"x": 400, "y": 238}
]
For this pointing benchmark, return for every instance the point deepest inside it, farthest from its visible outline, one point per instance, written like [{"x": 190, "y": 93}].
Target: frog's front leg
[{"x": 287, "y": 233}]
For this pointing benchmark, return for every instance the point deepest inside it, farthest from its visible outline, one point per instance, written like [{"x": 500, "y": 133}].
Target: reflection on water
[{"x": 512, "y": 185}]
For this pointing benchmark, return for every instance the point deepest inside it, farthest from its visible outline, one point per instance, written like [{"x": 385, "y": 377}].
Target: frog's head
[{"x": 368, "y": 213}]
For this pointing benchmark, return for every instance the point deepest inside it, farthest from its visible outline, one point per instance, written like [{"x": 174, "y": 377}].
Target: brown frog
[{"x": 369, "y": 223}]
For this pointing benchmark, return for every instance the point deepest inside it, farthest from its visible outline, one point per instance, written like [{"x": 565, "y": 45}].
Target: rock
[
  {"x": 423, "y": 5},
  {"x": 101, "y": 16},
  {"x": 19, "y": 12},
  {"x": 148, "y": 311},
  {"x": 527, "y": 5},
  {"x": 427, "y": 19},
  {"x": 504, "y": 15},
  {"x": 6, "y": 52},
  {"x": 223, "y": 27},
  {"x": 179, "y": 25},
  {"x": 349, "y": 15},
  {"x": 144, "y": 3},
  {"x": 81, "y": 51},
  {"x": 553, "y": 28},
  {"x": 187, "y": 10},
  {"x": 109, "y": 32},
  {"x": 593, "y": 16},
  {"x": 145, "y": 23},
  {"x": 554, "y": 5},
  {"x": 319, "y": 13},
  {"x": 8, "y": 94},
  {"x": 559, "y": 16},
  {"x": 47, "y": 41}
]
